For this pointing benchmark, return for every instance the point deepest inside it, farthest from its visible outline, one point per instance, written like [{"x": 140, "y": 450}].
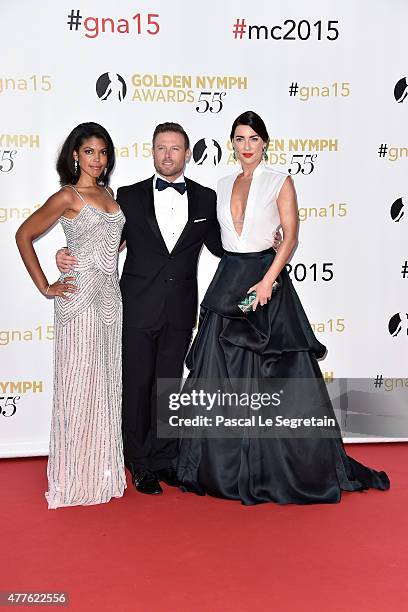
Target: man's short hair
[{"x": 168, "y": 126}]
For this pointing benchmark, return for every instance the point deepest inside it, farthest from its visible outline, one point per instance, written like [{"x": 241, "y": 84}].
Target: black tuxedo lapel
[
  {"x": 151, "y": 215},
  {"x": 190, "y": 199}
]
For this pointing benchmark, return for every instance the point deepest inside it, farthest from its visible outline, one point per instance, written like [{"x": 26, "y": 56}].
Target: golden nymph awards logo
[
  {"x": 9, "y": 145},
  {"x": 208, "y": 92}
]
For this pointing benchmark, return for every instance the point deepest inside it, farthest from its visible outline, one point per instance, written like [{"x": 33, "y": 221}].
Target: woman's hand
[
  {"x": 60, "y": 288},
  {"x": 263, "y": 293},
  {"x": 277, "y": 239}
]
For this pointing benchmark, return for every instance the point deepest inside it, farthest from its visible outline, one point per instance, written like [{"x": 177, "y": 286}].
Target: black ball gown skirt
[{"x": 275, "y": 341}]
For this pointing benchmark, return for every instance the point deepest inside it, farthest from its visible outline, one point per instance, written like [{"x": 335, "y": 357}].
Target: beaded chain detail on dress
[{"x": 85, "y": 463}]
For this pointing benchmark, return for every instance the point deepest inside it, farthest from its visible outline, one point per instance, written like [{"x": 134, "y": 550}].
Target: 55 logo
[
  {"x": 8, "y": 405},
  {"x": 7, "y": 159},
  {"x": 305, "y": 164},
  {"x": 210, "y": 101}
]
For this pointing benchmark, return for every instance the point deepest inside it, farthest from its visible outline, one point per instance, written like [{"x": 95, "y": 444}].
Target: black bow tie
[{"x": 161, "y": 185}]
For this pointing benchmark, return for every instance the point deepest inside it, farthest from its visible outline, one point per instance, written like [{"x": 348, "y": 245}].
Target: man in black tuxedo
[{"x": 168, "y": 219}]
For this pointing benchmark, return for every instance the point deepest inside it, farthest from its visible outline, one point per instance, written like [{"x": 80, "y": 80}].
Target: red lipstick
[{"x": 247, "y": 154}]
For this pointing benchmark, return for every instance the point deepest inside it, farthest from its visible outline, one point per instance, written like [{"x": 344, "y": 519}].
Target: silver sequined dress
[{"x": 85, "y": 464}]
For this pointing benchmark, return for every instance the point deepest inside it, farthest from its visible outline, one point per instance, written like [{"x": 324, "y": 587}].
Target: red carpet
[{"x": 179, "y": 552}]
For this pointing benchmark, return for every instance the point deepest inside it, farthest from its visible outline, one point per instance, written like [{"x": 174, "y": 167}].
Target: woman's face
[
  {"x": 248, "y": 145},
  {"x": 92, "y": 156}
]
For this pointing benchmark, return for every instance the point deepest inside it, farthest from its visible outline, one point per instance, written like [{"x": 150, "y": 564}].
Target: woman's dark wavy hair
[
  {"x": 254, "y": 121},
  {"x": 65, "y": 162}
]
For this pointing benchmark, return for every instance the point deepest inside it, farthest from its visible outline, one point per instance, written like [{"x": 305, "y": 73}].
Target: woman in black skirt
[{"x": 271, "y": 341}]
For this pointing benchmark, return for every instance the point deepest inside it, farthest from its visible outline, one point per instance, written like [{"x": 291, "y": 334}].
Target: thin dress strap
[
  {"x": 77, "y": 192},
  {"x": 106, "y": 189}
]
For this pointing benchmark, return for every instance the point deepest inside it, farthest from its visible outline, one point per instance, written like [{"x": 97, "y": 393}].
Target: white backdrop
[{"x": 153, "y": 62}]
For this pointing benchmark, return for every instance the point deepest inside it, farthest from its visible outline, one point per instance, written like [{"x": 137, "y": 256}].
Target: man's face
[{"x": 170, "y": 154}]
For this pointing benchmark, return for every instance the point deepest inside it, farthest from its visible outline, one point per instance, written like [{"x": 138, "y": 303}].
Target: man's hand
[
  {"x": 277, "y": 239},
  {"x": 64, "y": 261}
]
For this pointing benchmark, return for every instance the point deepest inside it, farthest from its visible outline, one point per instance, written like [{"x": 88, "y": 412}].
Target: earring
[
  {"x": 105, "y": 172},
  {"x": 265, "y": 155},
  {"x": 234, "y": 155},
  {"x": 76, "y": 165}
]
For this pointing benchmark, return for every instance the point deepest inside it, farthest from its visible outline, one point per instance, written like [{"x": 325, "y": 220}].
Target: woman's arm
[
  {"x": 34, "y": 227},
  {"x": 288, "y": 212}
]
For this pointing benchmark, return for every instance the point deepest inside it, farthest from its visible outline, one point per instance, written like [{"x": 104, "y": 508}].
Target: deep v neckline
[{"x": 245, "y": 210}]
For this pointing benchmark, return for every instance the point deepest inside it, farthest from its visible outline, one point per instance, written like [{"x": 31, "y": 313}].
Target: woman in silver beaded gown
[{"x": 85, "y": 464}]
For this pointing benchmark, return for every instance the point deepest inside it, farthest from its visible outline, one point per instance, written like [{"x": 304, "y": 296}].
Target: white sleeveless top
[{"x": 261, "y": 214}]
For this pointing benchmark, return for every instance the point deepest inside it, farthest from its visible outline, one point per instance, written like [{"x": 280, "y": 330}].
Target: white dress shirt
[
  {"x": 171, "y": 208},
  {"x": 261, "y": 214}
]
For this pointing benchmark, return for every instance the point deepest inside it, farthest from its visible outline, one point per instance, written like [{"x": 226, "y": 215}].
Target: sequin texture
[{"x": 85, "y": 464}]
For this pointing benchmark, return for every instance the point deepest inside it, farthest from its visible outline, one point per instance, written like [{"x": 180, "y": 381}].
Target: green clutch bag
[{"x": 246, "y": 304}]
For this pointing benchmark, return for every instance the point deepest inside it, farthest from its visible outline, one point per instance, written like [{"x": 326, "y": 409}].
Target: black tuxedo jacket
[{"x": 157, "y": 285}]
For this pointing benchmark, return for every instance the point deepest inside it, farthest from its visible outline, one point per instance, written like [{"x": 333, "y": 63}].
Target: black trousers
[{"x": 149, "y": 354}]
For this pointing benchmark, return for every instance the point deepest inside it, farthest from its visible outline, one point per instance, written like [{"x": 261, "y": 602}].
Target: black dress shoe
[
  {"x": 146, "y": 482},
  {"x": 169, "y": 476}
]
